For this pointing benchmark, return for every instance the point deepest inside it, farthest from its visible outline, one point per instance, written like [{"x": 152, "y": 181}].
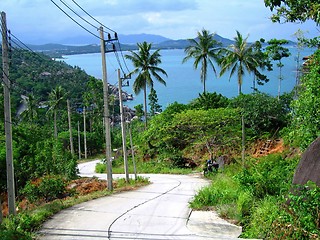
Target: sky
[{"x": 40, "y": 21}]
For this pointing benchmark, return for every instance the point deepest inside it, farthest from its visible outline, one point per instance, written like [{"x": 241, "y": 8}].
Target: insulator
[
  {"x": 109, "y": 36},
  {"x": 116, "y": 35}
]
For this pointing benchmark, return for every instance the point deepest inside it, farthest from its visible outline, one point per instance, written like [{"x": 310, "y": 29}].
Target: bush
[
  {"x": 47, "y": 188},
  {"x": 300, "y": 216},
  {"x": 272, "y": 175},
  {"x": 100, "y": 168}
]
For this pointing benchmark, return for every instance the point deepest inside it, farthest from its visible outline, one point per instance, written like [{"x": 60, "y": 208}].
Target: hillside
[{"x": 128, "y": 42}]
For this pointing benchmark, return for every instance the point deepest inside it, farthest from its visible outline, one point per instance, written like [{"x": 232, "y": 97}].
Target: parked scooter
[{"x": 211, "y": 166}]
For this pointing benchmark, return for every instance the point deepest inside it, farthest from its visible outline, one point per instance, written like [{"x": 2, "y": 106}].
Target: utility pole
[
  {"x": 132, "y": 152},
  {"x": 85, "y": 133},
  {"x": 70, "y": 128},
  {"x": 106, "y": 116},
  {"x": 7, "y": 117},
  {"x": 79, "y": 141},
  {"x": 123, "y": 130}
]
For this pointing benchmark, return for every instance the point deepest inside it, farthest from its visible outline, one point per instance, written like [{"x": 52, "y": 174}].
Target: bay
[{"x": 183, "y": 82}]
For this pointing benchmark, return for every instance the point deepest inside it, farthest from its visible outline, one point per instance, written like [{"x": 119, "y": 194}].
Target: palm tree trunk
[{"x": 145, "y": 106}]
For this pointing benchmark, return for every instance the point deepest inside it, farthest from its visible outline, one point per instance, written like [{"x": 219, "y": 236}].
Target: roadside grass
[
  {"x": 25, "y": 224},
  {"x": 254, "y": 196},
  {"x": 144, "y": 167}
]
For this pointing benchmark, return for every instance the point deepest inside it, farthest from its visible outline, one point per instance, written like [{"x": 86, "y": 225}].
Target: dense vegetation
[{"x": 254, "y": 191}]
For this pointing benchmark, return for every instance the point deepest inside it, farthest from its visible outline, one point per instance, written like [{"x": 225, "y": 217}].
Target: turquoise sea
[{"x": 183, "y": 81}]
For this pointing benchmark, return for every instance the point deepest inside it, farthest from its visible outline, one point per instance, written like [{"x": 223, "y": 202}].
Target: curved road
[{"x": 157, "y": 211}]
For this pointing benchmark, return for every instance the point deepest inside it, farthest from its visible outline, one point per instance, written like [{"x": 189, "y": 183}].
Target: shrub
[
  {"x": 270, "y": 176},
  {"x": 300, "y": 216},
  {"x": 47, "y": 188}
]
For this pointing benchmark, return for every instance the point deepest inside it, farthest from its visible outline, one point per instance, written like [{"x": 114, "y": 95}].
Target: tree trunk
[
  {"x": 145, "y": 107},
  {"x": 70, "y": 128},
  {"x": 55, "y": 124},
  {"x": 85, "y": 133}
]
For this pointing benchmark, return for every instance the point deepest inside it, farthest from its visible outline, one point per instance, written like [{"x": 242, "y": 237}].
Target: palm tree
[
  {"x": 146, "y": 66},
  {"x": 55, "y": 99},
  {"x": 31, "y": 111},
  {"x": 204, "y": 50},
  {"x": 239, "y": 57}
]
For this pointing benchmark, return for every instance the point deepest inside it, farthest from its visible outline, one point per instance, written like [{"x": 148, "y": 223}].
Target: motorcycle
[{"x": 211, "y": 166}]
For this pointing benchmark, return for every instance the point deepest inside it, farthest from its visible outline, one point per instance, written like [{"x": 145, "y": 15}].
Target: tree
[
  {"x": 263, "y": 62},
  {"x": 294, "y": 10},
  {"x": 239, "y": 57},
  {"x": 203, "y": 50},
  {"x": 306, "y": 112},
  {"x": 146, "y": 66},
  {"x": 276, "y": 52},
  {"x": 153, "y": 102},
  {"x": 31, "y": 112},
  {"x": 263, "y": 113},
  {"x": 208, "y": 101},
  {"x": 56, "y": 97}
]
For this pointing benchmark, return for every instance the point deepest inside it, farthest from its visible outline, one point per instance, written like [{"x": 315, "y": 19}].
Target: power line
[
  {"x": 74, "y": 20},
  {"x": 86, "y": 12},
  {"x": 72, "y": 10},
  {"x": 123, "y": 57},
  {"x": 92, "y": 16}
]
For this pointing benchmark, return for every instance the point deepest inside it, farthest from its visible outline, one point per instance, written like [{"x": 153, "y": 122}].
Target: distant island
[{"x": 127, "y": 42}]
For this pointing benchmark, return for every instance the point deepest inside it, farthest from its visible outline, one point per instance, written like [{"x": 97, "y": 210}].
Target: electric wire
[
  {"x": 92, "y": 16},
  {"x": 72, "y": 10},
  {"x": 75, "y": 20},
  {"x": 123, "y": 57}
]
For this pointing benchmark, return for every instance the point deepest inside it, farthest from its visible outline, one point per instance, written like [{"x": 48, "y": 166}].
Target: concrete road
[{"x": 157, "y": 211}]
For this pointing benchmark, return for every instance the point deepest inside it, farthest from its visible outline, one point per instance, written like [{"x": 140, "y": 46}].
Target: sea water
[{"x": 183, "y": 82}]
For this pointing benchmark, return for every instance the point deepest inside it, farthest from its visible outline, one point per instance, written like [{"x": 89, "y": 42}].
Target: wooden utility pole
[
  {"x": 70, "y": 128},
  {"x": 123, "y": 130},
  {"x": 106, "y": 116},
  {"x": 85, "y": 133},
  {"x": 79, "y": 141},
  {"x": 132, "y": 153},
  {"x": 7, "y": 117}
]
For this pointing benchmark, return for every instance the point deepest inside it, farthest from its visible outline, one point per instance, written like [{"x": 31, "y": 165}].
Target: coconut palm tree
[
  {"x": 239, "y": 58},
  {"x": 31, "y": 111},
  {"x": 56, "y": 97},
  {"x": 146, "y": 66},
  {"x": 203, "y": 50}
]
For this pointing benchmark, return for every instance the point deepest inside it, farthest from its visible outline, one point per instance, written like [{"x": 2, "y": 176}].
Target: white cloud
[{"x": 32, "y": 19}]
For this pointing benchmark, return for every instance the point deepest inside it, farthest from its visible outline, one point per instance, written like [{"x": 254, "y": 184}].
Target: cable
[
  {"x": 71, "y": 9},
  {"x": 75, "y": 20},
  {"x": 123, "y": 57},
  {"x": 92, "y": 16}
]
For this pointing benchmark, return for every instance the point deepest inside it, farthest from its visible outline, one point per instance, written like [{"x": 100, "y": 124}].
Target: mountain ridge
[{"x": 128, "y": 42}]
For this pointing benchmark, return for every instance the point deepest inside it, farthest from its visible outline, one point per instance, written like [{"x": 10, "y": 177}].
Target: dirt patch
[
  {"x": 266, "y": 147},
  {"x": 81, "y": 186}
]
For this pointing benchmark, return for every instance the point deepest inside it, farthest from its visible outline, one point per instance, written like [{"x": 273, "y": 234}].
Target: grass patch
[
  {"x": 143, "y": 167},
  {"x": 253, "y": 196}
]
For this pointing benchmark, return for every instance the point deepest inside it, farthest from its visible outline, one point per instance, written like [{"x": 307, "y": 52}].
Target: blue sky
[{"x": 40, "y": 21}]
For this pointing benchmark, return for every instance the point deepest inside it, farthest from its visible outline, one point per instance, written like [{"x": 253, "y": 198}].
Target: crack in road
[{"x": 140, "y": 204}]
